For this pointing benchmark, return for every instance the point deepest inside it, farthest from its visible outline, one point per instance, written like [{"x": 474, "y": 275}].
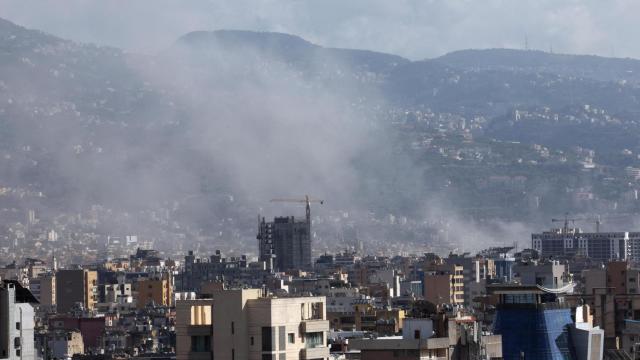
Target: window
[
  {"x": 233, "y": 327},
  {"x": 233, "y": 354},
  {"x": 200, "y": 343},
  {"x": 18, "y": 325},
  {"x": 314, "y": 339},
  {"x": 416, "y": 334},
  {"x": 252, "y": 341},
  {"x": 291, "y": 338},
  {"x": 316, "y": 311},
  {"x": 266, "y": 339}
]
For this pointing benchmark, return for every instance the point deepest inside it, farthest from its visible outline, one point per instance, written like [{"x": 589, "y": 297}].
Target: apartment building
[
  {"x": 194, "y": 329},
  {"x": 75, "y": 286},
  {"x": 43, "y": 288},
  {"x": 445, "y": 286},
  {"x": 16, "y": 322},
  {"x": 249, "y": 324},
  {"x": 156, "y": 291}
]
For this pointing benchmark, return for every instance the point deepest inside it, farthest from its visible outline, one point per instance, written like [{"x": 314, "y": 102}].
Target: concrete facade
[
  {"x": 603, "y": 246},
  {"x": 65, "y": 344},
  {"x": 550, "y": 274},
  {"x": 157, "y": 291},
  {"x": 285, "y": 243},
  {"x": 248, "y": 325},
  {"x": 16, "y": 323},
  {"x": 76, "y": 286},
  {"x": 43, "y": 288},
  {"x": 194, "y": 329},
  {"x": 445, "y": 287}
]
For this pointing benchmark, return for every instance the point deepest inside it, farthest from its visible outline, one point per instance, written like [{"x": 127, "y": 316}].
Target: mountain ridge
[{"x": 83, "y": 119}]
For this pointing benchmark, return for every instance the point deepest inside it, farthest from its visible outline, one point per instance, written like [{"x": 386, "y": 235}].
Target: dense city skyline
[{"x": 248, "y": 180}]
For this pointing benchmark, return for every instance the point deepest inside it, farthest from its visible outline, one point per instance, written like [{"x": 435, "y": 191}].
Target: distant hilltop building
[{"x": 601, "y": 246}]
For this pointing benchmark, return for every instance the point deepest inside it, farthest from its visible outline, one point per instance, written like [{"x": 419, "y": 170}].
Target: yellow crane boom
[{"x": 307, "y": 200}]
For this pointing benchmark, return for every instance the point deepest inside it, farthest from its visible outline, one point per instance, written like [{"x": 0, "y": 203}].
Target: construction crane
[
  {"x": 307, "y": 200},
  {"x": 597, "y": 220},
  {"x": 566, "y": 222}
]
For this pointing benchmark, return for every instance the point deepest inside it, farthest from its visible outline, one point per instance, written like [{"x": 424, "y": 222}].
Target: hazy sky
[{"x": 412, "y": 28}]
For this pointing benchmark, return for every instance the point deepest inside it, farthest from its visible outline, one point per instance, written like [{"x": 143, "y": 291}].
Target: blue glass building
[{"x": 533, "y": 323}]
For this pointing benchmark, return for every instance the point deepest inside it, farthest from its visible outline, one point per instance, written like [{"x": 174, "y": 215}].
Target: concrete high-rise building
[
  {"x": 76, "y": 286},
  {"x": 285, "y": 243},
  {"x": 603, "y": 246},
  {"x": 17, "y": 321}
]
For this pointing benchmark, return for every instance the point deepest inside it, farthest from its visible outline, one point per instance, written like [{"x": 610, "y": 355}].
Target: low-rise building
[
  {"x": 64, "y": 344},
  {"x": 419, "y": 340}
]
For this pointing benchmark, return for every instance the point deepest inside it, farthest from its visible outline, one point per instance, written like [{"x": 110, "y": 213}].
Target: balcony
[
  {"x": 308, "y": 326},
  {"x": 320, "y": 352}
]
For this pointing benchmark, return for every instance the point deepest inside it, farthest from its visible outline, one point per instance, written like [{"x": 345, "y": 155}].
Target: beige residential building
[
  {"x": 445, "y": 286},
  {"x": 194, "y": 331},
  {"x": 157, "y": 291},
  {"x": 248, "y": 325},
  {"x": 76, "y": 286}
]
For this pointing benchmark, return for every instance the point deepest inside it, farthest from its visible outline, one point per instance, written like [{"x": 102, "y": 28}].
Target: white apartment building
[{"x": 16, "y": 322}]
